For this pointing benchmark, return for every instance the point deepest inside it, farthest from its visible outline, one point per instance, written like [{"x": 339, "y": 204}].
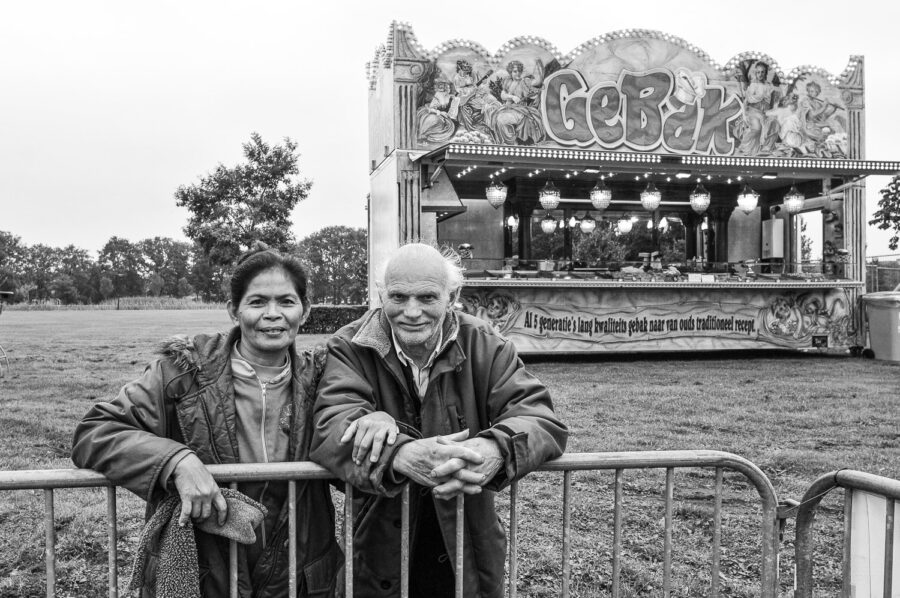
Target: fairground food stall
[{"x": 631, "y": 195}]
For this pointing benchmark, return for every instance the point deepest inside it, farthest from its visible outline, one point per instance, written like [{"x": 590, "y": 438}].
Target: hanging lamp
[
  {"x": 794, "y": 200},
  {"x": 601, "y": 195},
  {"x": 747, "y": 199},
  {"x": 700, "y": 198},
  {"x": 549, "y": 196},
  {"x": 650, "y": 197},
  {"x": 496, "y": 194}
]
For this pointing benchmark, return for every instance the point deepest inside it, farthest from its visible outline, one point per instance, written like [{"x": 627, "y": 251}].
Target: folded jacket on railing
[{"x": 178, "y": 574}]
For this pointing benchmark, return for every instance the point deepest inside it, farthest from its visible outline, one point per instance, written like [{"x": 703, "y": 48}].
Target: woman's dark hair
[{"x": 261, "y": 258}]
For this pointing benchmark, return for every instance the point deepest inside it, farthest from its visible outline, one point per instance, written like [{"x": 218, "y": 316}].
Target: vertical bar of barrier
[
  {"x": 233, "y": 561},
  {"x": 567, "y": 531},
  {"x": 617, "y": 536},
  {"x": 513, "y": 539},
  {"x": 460, "y": 538},
  {"x": 292, "y": 537},
  {"x": 404, "y": 543},
  {"x": 348, "y": 539},
  {"x": 49, "y": 542},
  {"x": 845, "y": 562},
  {"x": 717, "y": 534},
  {"x": 889, "y": 547},
  {"x": 667, "y": 543},
  {"x": 112, "y": 539}
]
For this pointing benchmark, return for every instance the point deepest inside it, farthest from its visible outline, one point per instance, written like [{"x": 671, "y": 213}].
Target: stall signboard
[
  {"x": 541, "y": 319},
  {"x": 646, "y": 93}
]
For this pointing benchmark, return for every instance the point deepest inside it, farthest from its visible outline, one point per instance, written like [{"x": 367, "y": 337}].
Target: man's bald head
[{"x": 420, "y": 259}]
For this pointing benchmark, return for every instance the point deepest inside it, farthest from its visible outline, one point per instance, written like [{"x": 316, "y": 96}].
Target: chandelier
[
  {"x": 512, "y": 222},
  {"x": 624, "y": 224},
  {"x": 588, "y": 224},
  {"x": 794, "y": 200},
  {"x": 549, "y": 196},
  {"x": 700, "y": 198},
  {"x": 747, "y": 199},
  {"x": 548, "y": 224},
  {"x": 496, "y": 194},
  {"x": 601, "y": 195},
  {"x": 650, "y": 197}
]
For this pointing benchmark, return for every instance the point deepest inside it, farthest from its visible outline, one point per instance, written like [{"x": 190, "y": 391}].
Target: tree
[
  {"x": 233, "y": 207},
  {"x": 337, "y": 260},
  {"x": 122, "y": 261},
  {"x": 805, "y": 242},
  {"x": 12, "y": 259},
  {"x": 887, "y": 217},
  {"x": 184, "y": 288},
  {"x": 168, "y": 259}
]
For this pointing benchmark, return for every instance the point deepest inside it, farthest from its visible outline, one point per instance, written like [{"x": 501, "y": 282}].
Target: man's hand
[
  {"x": 440, "y": 465},
  {"x": 492, "y": 459},
  {"x": 369, "y": 434},
  {"x": 198, "y": 491}
]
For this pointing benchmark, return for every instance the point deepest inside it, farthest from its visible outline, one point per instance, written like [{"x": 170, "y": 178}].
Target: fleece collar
[{"x": 375, "y": 333}]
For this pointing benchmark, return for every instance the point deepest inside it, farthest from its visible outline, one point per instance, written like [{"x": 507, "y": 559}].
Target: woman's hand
[
  {"x": 369, "y": 434},
  {"x": 198, "y": 491}
]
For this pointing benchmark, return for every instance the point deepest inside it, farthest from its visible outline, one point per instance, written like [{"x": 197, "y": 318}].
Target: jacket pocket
[{"x": 320, "y": 576}]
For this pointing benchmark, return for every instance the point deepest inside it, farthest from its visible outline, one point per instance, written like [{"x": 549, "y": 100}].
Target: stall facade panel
[{"x": 604, "y": 317}]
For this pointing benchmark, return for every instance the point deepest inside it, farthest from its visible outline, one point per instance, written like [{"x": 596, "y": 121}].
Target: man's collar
[{"x": 407, "y": 360}]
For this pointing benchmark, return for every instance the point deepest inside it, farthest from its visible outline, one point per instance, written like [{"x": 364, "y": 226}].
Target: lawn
[{"x": 796, "y": 416}]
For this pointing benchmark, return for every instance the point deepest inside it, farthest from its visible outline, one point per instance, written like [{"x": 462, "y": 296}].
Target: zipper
[
  {"x": 212, "y": 442},
  {"x": 262, "y": 421}
]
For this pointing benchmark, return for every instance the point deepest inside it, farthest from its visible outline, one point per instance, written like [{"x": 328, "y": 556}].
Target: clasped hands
[{"x": 451, "y": 465}]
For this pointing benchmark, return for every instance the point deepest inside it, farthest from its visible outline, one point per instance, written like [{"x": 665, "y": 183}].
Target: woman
[
  {"x": 516, "y": 121},
  {"x": 241, "y": 397},
  {"x": 436, "y": 122}
]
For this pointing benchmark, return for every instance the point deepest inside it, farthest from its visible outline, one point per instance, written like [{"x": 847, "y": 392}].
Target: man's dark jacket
[{"x": 477, "y": 383}]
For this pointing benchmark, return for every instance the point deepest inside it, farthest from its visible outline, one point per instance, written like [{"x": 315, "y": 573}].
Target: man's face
[{"x": 416, "y": 300}]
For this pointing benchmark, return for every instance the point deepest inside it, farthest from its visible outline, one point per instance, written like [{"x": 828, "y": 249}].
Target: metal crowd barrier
[
  {"x": 617, "y": 462},
  {"x": 865, "y": 495}
]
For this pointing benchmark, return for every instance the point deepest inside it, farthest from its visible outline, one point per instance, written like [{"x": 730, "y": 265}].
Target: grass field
[{"x": 796, "y": 416}]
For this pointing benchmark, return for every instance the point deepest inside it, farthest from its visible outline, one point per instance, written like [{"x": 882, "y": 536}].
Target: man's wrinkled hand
[
  {"x": 492, "y": 459},
  {"x": 370, "y": 433},
  {"x": 436, "y": 464},
  {"x": 198, "y": 491}
]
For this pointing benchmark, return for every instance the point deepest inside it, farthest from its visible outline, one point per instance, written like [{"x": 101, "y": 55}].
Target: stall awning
[{"x": 519, "y": 156}]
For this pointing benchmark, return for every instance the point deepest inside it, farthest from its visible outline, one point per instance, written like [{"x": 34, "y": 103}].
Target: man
[{"x": 471, "y": 419}]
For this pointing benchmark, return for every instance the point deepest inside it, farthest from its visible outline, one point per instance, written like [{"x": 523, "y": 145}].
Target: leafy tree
[
  {"x": 233, "y": 207},
  {"x": 155, "y": 284},
  {"x": 184, "y": 288},
  {"x": 12, "y": 258},
  {"x": 41, "y": 264},
  {"x": 122, "y": 261},
  {"x": 887, "y": 217},
  {"x": 805, "y": 242},
  {"x": 168, "y": 258},
  {"x": 337, "y": 260},
  {"x": 106, "y": 287}
]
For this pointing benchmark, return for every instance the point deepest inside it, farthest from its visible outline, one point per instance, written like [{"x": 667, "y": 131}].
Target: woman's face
[
  {"x": 762, "y": 72},
  {"x": 269, "y": 316}
]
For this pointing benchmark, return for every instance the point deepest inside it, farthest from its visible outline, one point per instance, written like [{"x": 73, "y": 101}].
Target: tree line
[{"x": 231, "y": 209}]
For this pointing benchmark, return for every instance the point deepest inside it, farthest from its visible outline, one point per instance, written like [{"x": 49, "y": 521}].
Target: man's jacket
[
  {"x": 477, "y": 383},
  {"x": 186, "y": 399}
]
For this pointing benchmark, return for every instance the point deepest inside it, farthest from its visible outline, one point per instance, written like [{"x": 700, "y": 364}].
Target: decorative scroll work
[
  {"x": 640, "y": 91},
  {"x": 672, "y": 320}
]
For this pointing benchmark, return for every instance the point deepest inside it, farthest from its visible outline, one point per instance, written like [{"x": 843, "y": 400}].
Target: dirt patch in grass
[{"x": 796, "y": 416}]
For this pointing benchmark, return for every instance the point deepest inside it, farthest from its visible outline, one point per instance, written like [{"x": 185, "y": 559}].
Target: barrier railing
[
  {"x": 869, "y": 533},
  {"x": 617, "y": 462}
]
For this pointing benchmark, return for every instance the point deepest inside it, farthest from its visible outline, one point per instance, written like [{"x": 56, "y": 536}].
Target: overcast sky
[{"x": 107, "y": 107}]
